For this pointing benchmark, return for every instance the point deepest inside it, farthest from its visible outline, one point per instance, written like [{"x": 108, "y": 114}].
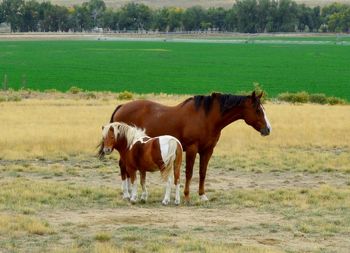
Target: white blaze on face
[{"x": 266, "y": 119}]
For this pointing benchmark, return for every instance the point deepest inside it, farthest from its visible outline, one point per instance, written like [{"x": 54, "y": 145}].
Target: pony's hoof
[
  {"x": 177, "y": 202},
  {"x": 133, "y": 200},
  {"x": 165, "y": 202},
  {"x": 126, "y": 197},
  {"x": 203, "y": 198},
  {"x": 144, "y": 197}
]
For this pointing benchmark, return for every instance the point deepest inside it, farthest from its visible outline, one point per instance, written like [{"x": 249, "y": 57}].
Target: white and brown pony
[{"x": 140, "y": 152}]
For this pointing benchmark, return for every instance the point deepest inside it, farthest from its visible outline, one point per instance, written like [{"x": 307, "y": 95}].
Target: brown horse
[
  {"x": 196, "y": 122},
  {"x": 140, "y": 152}
]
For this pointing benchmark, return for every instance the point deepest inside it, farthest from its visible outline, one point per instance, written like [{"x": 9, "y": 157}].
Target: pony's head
[
  {"x": 108, "y": 138},
  {"x": 254, "y": 114},
  {"x": 119, "y": 135}
]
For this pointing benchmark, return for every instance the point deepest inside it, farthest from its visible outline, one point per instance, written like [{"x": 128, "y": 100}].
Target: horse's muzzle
[
  {"x": 265, "y": 131},
  {"x": 107, "y": 151}
]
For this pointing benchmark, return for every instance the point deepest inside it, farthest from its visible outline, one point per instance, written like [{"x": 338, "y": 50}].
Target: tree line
[{"x": 246, "y": 16}]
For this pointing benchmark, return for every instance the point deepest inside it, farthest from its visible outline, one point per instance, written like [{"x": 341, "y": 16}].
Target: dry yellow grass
[
  {"x": 16, "y": 225},
  {"x": 314, "y": 135},
  {"x": 75, "y": 205}
]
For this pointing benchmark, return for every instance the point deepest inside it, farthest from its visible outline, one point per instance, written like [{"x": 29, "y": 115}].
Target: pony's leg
[
  {"x": 124, "y": 175},
  {"x": 191, "y": 153},
  {"x": 133, "y": 198},
  {"x": 144, "y": 194},
  {"x": 177, "y": 194},
  {"x": 166, "y": 199},
  {"x": 203, "y": 165}
]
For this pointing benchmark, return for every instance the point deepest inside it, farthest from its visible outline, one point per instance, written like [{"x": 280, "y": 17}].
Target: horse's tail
[
  {"x": 171, "y": 160},
  {"x": 100, "y": 153},
  {"x": 115, "y": 110}
]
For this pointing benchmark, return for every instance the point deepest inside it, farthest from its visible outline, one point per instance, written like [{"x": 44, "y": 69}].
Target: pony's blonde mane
[{"x": 131, "y": 133}]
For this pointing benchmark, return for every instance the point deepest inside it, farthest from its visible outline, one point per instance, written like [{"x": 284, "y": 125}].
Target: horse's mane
[
  {"x": 131, "y": 133},
  {"x": 226, "y": 101}
]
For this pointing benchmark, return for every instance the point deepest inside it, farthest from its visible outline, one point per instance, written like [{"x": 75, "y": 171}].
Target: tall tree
[
  {"x": 216, "y": 17},
  {"x": 194, "y": 18},
  {"x": 30, "y": 16},
  {"x": 96, "y": 9},
  {"x": 135, "y": 16},
  {"x": 247, "y": 15},
  {"x": 13, "y": 12}
]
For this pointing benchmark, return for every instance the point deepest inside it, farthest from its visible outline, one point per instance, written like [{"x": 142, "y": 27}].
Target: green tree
[
  {"x": 247, "y": 15},
  {"x": 161, "y": 19},
  {"x": 110, "y": 20},
  {"x": 175, "y": 19},
  {"x": 2, "y": 14},
  {"x": 287, "y": 16},
  {"x": 30, "y": 16},
  {"x": 216, "y": 17},
  {"x": 13, "y": 13},
  {"x": 96, "y": 9},
  {"x": 194, "y": 18},
  {"x": 135, "y": 16},
  {"x": 340, "y": 21}
]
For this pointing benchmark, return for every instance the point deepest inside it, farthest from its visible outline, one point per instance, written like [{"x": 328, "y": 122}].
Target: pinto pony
[
  {"x": 196, "y": 122},
  {"x": 140, "y": 152}
]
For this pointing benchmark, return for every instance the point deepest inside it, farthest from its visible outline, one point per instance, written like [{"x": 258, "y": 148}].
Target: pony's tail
[{"x": 170, "y": 158}]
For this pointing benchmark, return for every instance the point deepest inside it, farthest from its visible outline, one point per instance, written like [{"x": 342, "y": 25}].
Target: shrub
[
  {"x": 299, "y": 97},
  {"x": 74, "y": 90},
  {"x": 318, "y": 98},
  {"x": 90, "y": 95},
  {"x": 51, "y": 91},
  {"x": 126, "y": 95},
  {"x": 2, "y": 99},
  {"x": 336, "y": 101},
  {"x": 14, "y": 98}
]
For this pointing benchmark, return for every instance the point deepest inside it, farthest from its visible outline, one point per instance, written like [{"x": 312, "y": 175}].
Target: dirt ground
[{"x": 253, "y": 225}]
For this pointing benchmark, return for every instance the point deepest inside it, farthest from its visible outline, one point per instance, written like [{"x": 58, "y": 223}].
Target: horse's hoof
[
  {"x": 177, "y": 202},
  {"x": 133, "y": 200},
  {"x": 203, "y": 198}
]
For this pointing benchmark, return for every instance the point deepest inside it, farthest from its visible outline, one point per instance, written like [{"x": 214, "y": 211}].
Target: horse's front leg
[
  {"x": 144, "y": 194},
  {"x": 133, "y": 176},
  {"x": 125, "y": 180},
  {"x": 168, "y": 184},
  {"x": 203, "y": 165}
]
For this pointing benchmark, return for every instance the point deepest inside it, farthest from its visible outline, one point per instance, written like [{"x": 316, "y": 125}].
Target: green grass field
[{"x": 184, "y": 68}]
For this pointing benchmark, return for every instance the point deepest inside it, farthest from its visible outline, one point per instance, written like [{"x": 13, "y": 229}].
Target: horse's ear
[
  {"x": 103, "y": 128},
  {"x": 111, "y": 128},
  {"x": 254, "y": 96}
]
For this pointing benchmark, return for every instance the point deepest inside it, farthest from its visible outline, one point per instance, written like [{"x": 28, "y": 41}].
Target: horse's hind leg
[
  {"x": 191, "y": 153},
  {"x": 144, "y": 194}
]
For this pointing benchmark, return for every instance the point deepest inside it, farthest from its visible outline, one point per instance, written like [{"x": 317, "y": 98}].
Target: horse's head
[
  {"x": 254, "y": 114},
  {"x": 109, "y": 139}
]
